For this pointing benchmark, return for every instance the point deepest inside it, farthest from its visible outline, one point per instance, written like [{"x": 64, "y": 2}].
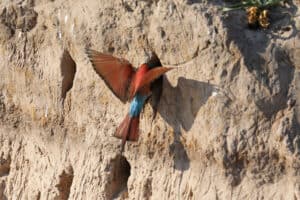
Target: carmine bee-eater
[{"x": 128, "y": 84}]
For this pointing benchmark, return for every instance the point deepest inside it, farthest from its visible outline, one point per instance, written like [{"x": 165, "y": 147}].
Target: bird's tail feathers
[
  {"x": 134, "y": 129},
  {"x": 128, "y": 130}
]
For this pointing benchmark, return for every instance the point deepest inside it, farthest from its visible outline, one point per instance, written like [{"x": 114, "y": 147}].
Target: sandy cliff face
[{"x": 228, "y": 122}]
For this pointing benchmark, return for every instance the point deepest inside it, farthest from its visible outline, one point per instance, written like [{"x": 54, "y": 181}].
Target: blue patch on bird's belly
[{"x": 136, "y": 105}]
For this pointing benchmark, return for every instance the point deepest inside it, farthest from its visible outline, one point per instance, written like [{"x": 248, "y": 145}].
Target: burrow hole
[
  {"x": 2, "y": 189},
  {"x": 68, "y": 71},
  {"x": 4, "y": 165},
  {"x": 65, "y": 183},
  {"x": 117, "y": 181}
]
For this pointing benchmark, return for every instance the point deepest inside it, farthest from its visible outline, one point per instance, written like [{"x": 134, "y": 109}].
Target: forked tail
[{"x": 128, "y": 130}]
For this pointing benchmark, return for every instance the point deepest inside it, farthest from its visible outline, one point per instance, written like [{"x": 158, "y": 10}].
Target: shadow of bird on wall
[
  {"x": 184, "y": 101},
  {"x": 179, "y": 106}
]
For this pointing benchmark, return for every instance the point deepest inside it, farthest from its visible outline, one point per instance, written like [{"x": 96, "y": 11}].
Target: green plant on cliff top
[{"x": 252, "y": 3}]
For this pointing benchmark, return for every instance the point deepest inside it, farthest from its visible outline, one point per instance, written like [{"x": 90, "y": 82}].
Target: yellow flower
[
  {"x": 263, "y": 19},
  {"x": 252, "y": 16}
]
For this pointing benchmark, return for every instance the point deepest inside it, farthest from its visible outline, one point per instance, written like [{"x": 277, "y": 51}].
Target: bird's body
[
  {"x": 137, "y": 78},
  {"x": 127, "y": 84},
  {"x": 137, "y": 104}
]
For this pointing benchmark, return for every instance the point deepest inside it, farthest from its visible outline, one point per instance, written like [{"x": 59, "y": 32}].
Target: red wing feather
[
  {"x": 116, "y": 73},
  {"x": 152, "y": 75}
]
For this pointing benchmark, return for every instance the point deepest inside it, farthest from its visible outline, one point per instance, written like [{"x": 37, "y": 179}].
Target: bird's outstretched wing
[
  {"x": 152, "y": 75},
  {"x": 116, "y": 72}
]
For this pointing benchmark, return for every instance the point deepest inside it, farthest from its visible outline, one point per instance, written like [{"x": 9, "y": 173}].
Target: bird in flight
[{"x": 128, "y": 84}]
